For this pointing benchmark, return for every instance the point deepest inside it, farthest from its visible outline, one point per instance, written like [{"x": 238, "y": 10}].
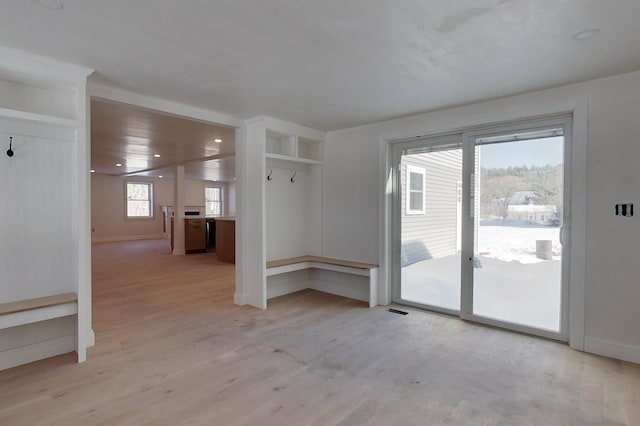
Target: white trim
[
  {"x": 220, "y": 196},
  {"x": 293, "y": 159},
  {"x": 82, "y": 220},
  {"x": 408, "y": 211},
  {"x": 578, "y": 230},
  {"x": 284, "y": 287},
  {"x": 38, "y": 118},
  {"x": 612, "y": 349},
  {"x": 162, "y": 105},
  {"x": 149, "y": 201},
  {"x": 521, "y": 107},
  {"x": 471, "y": 141},
  {"x": 286, "y": 128},
  {"x": 21, "y": 64},
  {"x": 385, "y": 220},
  {"x": 240, "y": 299},
  {"x": 37, "y": 351}
]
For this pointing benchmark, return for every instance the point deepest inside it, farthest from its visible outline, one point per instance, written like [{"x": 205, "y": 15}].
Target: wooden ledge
[
  {"x": 37, "y": 303},
  {"x": 320, "y": 259}
]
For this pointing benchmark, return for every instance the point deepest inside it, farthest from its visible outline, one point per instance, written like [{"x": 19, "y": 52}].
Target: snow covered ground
[
  {"x": 512, "y": 284},
  {"x": 512, "y": 243}
]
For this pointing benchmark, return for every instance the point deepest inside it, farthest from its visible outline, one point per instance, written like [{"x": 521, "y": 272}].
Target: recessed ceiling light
[
  {"x": 118, "y": 164},
  {"x": 50, "y": 4},
  {"x": 92, "y": 171},
  {"x": 235, "y": 178},
  {"x": 586, "y": 34},
  {"x": 156, "y": 155},
  {"x": 160, "y": 176},
  {"x": 217, "y": 140}
]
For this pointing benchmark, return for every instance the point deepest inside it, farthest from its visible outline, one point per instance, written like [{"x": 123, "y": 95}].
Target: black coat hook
[
  {"x": 269, "y": 175},
  {"x": 293, "y": 178},
  {"x": 10, "y": 150}
]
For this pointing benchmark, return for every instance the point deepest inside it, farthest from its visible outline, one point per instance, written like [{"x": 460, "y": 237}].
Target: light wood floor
[{"x": 172, "y": 349}]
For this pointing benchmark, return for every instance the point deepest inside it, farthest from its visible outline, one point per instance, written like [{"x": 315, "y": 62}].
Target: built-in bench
[
  {"x": 28, "y": 311},
  {"x": 276, "y": 267}
]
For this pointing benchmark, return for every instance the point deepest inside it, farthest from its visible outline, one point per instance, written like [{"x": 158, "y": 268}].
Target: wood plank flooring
[{"x": 172, "y": 349}]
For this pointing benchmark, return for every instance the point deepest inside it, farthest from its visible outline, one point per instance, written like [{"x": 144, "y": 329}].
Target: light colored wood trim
[
  {"x": 37, "y": 303},
  {"x": 15, "y": 319},
  {"x": 320, "y": 259}
]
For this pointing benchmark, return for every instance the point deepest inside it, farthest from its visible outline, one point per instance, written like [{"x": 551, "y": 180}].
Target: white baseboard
[
  {"x": 92, "y": 339},
  {"x": 37, "y": 351},
  {"x": 361, "y": 294},
  {"x": 240, "y": 299},
  {"x": 611, "y": 349},
  {"x": 128, "y": 238},
  {"x": 290, "y": 282},
  {"x": 346, "y": 285}
]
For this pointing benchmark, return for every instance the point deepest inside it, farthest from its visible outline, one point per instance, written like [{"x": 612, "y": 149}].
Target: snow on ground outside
[
  {"x": 517, "y": 243},
  {"x": 512, "y": 285}
]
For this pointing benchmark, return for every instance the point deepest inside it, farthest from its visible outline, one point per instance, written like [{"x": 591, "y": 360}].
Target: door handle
[{"x": 563, "y": 239}]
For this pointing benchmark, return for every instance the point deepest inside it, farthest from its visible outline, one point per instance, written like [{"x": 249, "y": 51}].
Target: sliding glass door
[
  {"x": 478, "y": 221},
  {"x": 430, "y": 222}
]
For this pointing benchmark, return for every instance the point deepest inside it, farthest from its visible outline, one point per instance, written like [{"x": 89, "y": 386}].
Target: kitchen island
[{"x": 226, "y": 239}]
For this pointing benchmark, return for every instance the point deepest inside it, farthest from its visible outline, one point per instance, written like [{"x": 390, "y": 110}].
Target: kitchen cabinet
[
  {"x": 226, "y": 239},
  {"x": 195, "y": 235}
]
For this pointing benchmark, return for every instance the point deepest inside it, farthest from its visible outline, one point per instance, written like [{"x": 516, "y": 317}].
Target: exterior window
[
  {"x": 415, "y": 190},
  {"x": 139, "y": 199},
  {"x": 213, "y": 202}
]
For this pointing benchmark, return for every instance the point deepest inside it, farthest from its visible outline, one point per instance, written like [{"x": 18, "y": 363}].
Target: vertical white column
[
  {"x": 84, "y": 332},
  {"x": 250, "y": 215},
  {"x": 239, "y": 297},
  {"x": 178, "y": 202}
]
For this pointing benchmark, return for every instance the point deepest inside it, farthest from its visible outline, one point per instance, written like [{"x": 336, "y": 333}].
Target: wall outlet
[{"x": 625, "y": 209}]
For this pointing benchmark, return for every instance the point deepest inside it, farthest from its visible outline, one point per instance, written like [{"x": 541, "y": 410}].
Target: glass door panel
[
  {"x": 430, "y": 226},
  {"x": 517, "y": 264}
]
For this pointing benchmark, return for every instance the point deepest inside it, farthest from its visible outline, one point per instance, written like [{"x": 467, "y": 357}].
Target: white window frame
[
  {"x": 126, "y": 200},
  {"x": 221, "y": 201},
  {"x": 422, "y": 171}
]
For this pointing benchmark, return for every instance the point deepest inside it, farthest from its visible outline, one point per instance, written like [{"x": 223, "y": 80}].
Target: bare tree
[{"x": 497, "y": 192}]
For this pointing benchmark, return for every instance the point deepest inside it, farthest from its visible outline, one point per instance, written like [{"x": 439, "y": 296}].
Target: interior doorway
[{"x": 480, "y": 218}]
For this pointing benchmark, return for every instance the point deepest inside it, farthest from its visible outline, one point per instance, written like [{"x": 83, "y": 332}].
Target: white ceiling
[
  {"x": 133, "y": 137},
  {"x": 330, "y": 64}
]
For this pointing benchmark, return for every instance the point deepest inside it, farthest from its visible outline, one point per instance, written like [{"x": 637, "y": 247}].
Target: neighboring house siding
[
  {"x": 538, "y": 214},
  {"x": 432, "y": 234}
]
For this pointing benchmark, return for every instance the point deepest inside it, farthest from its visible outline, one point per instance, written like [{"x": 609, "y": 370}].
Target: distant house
[
  {"x": 524, "y": 197},
  {"x": 524, "y": 206}
]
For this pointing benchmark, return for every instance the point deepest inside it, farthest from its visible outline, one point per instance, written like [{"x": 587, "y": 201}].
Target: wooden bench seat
[
  {"x": 28, "y": 311},
  {"x": 369, "y": 270}
]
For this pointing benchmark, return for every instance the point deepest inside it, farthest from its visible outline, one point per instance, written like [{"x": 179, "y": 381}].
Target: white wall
[
  {"x": 44, "y": 229},
  {"x": 293, "y": 224},
  {"x": 36, "y": 254},
  {"x": 108, "y": 213},
  {"x": 353, "y": 193}
]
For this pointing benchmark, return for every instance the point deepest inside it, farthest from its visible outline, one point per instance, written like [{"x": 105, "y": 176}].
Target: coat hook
[
  {"x": 10, "y": 150},
  {"x": 293, "y": 178},
  {"x": 269, "y": 175}
]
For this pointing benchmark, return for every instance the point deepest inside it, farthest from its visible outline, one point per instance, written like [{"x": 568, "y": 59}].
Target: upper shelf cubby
[
  {"x": 293, "y": 148},
  {"x": 39, "y": 103}
]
